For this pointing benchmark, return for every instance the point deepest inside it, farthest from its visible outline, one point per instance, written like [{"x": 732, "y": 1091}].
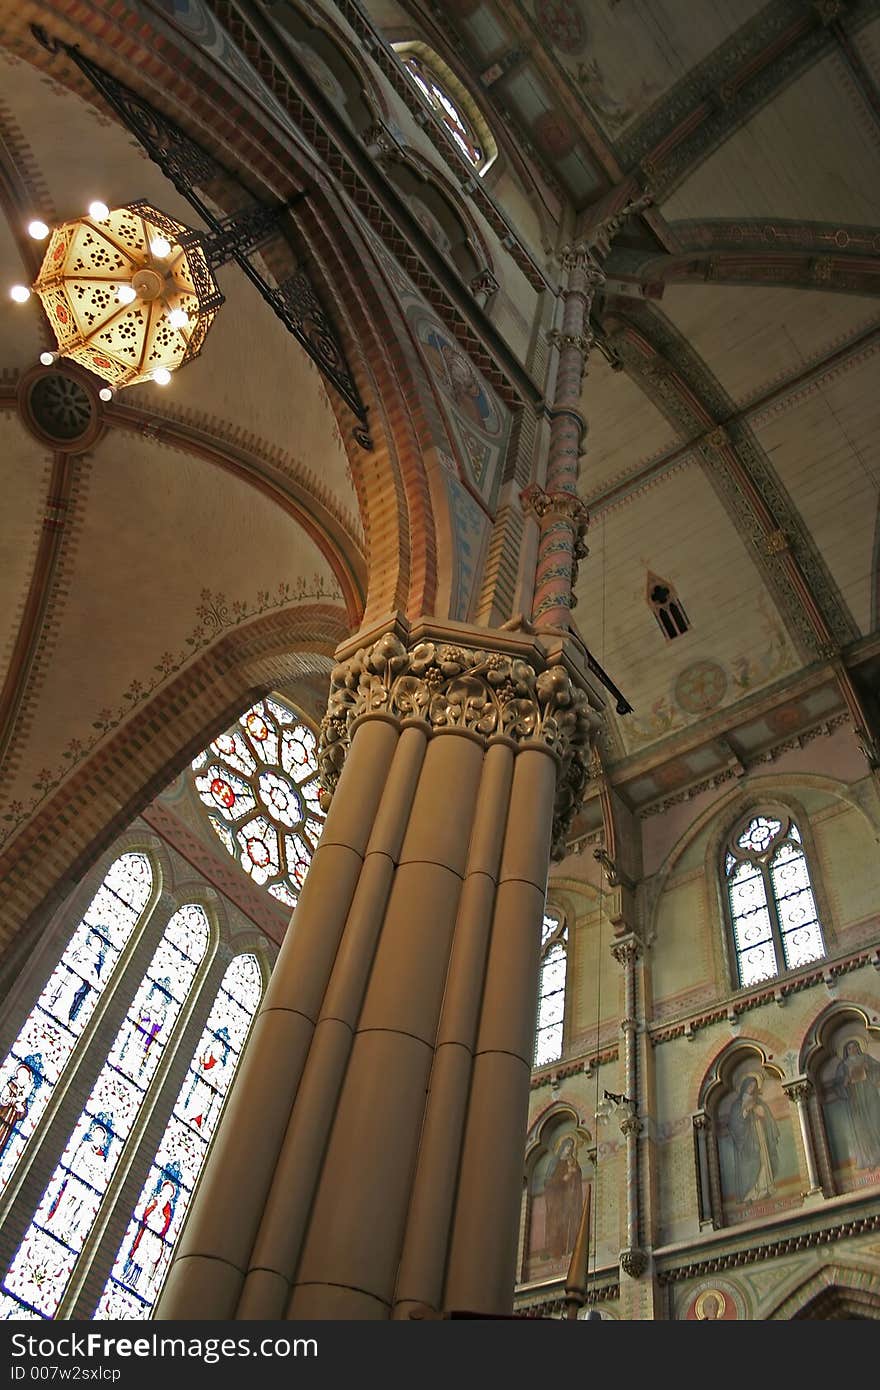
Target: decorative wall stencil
[
  {"x": 701, "y": 687},
  {"x": 214, "y": 615},
  {"x": 555, "y": 133},
  {"x": 478, "y": 421},
  {"x": 705, "y": 685},
  {"x": 324, "y": 78}
]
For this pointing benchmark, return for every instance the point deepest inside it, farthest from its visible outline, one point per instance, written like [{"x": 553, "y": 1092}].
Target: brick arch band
[{"x": 403, "y": 509}]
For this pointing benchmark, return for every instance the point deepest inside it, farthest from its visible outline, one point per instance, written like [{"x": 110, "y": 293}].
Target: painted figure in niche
[
  {"x": 148, "y": 1246},
  {"x": 712, "y": 1305},
  {"x": 755, "y": 1138},
  {"x": 857, "y": 1082},
  {"x": 16, "y": 1094},
  {"x": 462, "y": 383},
  {"x": 563, "y": 1199}
]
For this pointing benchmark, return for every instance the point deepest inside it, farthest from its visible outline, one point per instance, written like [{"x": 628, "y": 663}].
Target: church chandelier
[{"x": 130, "y": 292}]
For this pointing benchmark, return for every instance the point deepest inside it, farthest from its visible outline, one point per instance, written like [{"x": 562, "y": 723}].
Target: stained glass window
[
  {"x": 772, "y": 907},
  {"x": 156, "y": 1222},
  {"x": 551, "y": 993},
  {"x": 48, "y": 1039},
  {"x": 44, "y": 1262},
  {"x": 259, "y": 783},
  {"x": 450, "y": 113}
]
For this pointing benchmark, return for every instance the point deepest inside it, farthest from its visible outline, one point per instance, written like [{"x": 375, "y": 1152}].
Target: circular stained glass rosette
[{"x": 259, "y": 784}]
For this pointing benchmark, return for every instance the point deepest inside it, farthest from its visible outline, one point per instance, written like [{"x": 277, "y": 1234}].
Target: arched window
[
  {"x": 43, "y": 1264},
  {"x": 157, "y": 1219},
  {"x": 551, "y": 992},
  {"x": 259, "y": 782},
  {"x": 48, "y": 1040},
  {"x": 773, "y": 913},
  {"x": 451, "y": 103}
]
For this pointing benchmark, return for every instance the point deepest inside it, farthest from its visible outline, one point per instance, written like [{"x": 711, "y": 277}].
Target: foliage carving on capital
[
  {"x": 487, "y": 693},
  {"x": 633, "y": 1262}
]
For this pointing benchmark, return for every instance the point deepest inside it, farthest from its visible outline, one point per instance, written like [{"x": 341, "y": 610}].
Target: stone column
[
  {"x": 798, "y": 1093},
  {"x": 561, "y": 514},
  {"x": 633, "y": 1258},
  {"x": 370, "y": 1158},
  {"x": 701, "y": 1168}
]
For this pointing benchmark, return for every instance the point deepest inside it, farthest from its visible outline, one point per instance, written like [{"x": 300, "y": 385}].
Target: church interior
[{"x": 441, "y": 877}]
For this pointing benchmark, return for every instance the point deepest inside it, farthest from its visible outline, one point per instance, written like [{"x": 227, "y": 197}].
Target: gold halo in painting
[{"x": 699, "y": 1306}]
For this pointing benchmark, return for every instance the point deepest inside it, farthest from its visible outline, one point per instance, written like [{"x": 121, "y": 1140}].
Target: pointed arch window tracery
[
  {"x": 43, "y": 1265},
  {"x": 551, "y": 990},
  {"x": 51, "y": 1034},
  {"x": 772, "y": 906}
]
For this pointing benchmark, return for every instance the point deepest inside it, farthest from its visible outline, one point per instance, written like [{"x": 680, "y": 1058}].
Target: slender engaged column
[
  {"x": 562, "y": 516},
  {"x": 386, "y": 1083},
  {"x": 799, "y": 1094}
]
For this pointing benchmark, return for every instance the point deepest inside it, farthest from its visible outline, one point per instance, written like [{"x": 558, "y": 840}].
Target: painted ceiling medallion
[
  {"x": 130, "y": 295},
  {"x": 701, "y": 687},
  {"x": 563, "y": 23}
]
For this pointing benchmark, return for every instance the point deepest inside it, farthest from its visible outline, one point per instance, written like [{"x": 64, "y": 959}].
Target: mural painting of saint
[
  {"x": 857, "y": 1082},
  {"x": 563, "y": 1199},
  {"x": 755, "y": 1136}
]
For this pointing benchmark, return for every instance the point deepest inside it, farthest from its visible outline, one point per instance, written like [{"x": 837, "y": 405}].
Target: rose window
[{"x": 259, "y": 785}]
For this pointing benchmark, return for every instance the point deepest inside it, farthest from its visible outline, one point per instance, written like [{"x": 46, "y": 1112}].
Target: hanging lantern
[{"x": 129, "y": 293}]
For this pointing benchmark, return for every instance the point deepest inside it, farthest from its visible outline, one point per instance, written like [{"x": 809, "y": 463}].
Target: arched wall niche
[
  {"x": 840, "y": 1057},
  {"x": 440, "y": 213},
  {"x": 332, "y": 63},
  {"x": 751, "y": 1162},
  {"x": 559, "y": 1164}
]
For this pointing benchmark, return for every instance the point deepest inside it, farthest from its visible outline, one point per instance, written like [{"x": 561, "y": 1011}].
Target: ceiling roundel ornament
[
  {"x": 701, "y": 687},
  {"x": 258, "y": 785},
  {"x": 563, "y": 23}
]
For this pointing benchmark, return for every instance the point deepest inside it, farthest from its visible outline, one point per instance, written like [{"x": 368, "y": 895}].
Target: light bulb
[
  {"x": 160, "y": 247},
  {"x": 126, "y": 294},
  {"x": 47, "y": 358},
  {"x": 161, "y": 376},
  {"x": 98, "y": 210},
  {"x": 178, "y": 318},
  {"x": 105, "y": 394},
  {"x": 38, "y": 230},
  {"x": 20, "y": 293}
]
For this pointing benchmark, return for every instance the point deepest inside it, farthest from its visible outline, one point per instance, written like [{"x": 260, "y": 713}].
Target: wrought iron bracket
[{"x": 190, "y": 167}]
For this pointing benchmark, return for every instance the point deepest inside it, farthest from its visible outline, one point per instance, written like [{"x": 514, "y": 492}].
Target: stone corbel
[
  {"x": 484, "y": 286},
  {"x": 380, "y": 144},
  {"x": 633, "y": 1262}
]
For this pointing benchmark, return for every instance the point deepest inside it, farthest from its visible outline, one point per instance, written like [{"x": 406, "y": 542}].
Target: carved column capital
[
  {"x": 631, "y": 1125},
  {"x": 626, "y": 953},
  {"x": 564, "y": 504},
  {"x": 799, "y": 1091},
  {"x": 702, "y": 1123},
  {"x": 582, "y": 342},
  {"x": 483, "y": 692}
]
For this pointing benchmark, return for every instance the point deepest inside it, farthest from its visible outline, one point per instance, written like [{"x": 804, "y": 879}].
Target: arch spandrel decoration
[{"x": 258, "y": 783}]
